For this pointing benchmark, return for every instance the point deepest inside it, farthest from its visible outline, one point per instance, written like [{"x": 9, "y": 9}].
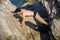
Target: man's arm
[
  {"x": 41, "y": 19},
  {"x": 23, "y": 21}
]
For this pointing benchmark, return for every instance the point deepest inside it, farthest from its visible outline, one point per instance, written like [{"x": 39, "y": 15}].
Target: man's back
[{"x": 27, "y": 12}]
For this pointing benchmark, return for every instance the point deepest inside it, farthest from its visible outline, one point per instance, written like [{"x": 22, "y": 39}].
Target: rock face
[
  {"x": 8, "y": 23},
  {"x": 53, "y": 7}
]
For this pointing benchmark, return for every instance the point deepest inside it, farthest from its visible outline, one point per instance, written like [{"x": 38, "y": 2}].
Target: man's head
[{"x": 17, "y": 11}]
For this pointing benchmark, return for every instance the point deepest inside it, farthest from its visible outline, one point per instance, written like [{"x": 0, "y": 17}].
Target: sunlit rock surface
[{"x": 8, "y": 25}]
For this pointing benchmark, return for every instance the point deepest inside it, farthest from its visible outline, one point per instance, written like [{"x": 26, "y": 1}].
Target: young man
[{"x": 26, "y": 13}]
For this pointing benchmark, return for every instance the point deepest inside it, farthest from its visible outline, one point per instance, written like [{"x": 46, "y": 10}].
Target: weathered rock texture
[
  {"x": 56, "y": 21},
  {"x": 53, "y": 7},
  {"x": 8, "y": 23}
]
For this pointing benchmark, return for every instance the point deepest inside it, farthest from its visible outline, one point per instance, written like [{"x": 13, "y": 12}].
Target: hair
[{"x": 17, "y": 10}]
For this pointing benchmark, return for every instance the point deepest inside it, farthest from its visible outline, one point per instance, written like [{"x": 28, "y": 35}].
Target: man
[{"x": 27, "y": 13}]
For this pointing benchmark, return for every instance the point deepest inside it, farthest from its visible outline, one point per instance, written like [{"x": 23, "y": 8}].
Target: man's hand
[
  {"x": 19, "y": 25},
  {"x": 46, "y": 23},
  {"x": 12, "y": 11}
]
